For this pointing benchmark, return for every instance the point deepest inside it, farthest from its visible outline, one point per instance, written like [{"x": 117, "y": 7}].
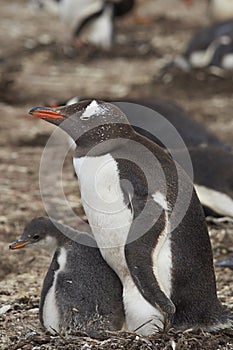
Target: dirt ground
[{"x": 38, "y": 66}]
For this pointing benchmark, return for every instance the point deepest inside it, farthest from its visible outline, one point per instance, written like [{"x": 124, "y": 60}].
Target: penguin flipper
[
  {"x": 47, "y": 284},
  {"x": 149, "y": 224},
  {"x": 139, "y": 257}
]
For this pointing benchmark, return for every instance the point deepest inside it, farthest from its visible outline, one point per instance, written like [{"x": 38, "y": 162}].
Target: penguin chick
[
  {"x": 79, "y": 290},
  {"x": 146, "y": 218},
  {"x": 210, "y": 46}
]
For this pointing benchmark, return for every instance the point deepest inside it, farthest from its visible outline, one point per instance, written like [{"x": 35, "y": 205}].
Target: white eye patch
[{"x": 93, "y": 109}]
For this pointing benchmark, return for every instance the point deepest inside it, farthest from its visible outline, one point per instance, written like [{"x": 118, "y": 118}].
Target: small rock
[
  {"x": 34, "y": 311},
  {"x": 45, "y": 39},
  {"x": 4, "y": 309},
  {"x": 86, "y": 347}
]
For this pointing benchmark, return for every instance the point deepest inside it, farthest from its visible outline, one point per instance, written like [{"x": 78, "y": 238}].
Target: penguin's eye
[{"x": 36, "y": 237}]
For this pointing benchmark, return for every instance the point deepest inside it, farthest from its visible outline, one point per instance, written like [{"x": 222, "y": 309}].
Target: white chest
[
  {"x": 106, "y": 210},
  {"x": 73, "y": 12},
  {"x": 101, "y": 30},
  {"x": 51, "y": 317}
]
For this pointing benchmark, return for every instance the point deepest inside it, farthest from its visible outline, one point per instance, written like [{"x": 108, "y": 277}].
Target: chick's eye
[{"x": 36, "y": 237}]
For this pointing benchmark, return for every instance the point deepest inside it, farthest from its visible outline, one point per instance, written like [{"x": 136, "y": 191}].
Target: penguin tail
[
  {"x": 218, "y": 319},
  {"x": 225, "y": 321}
]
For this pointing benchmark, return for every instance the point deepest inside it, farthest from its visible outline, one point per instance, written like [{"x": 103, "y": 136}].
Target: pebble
[
  {"x": 4, "y": 309},
  {"x": 35, "y": 310}
]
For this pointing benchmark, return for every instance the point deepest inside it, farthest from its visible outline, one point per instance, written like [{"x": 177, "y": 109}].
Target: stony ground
[{"x": 38, "y": 66}]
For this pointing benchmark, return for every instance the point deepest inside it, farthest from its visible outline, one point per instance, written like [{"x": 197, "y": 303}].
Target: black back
[
  {"x": 213, "y": 168},
  {"x": 193, "y": 279},
  {"x": 192, "y": 132}
]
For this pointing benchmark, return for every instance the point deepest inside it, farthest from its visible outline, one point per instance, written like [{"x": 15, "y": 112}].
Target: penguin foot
[
  {"x": 168, "y": 316},
  {"x": 221, "y": 319},
  {"x": 168, "y": 320},
  {"x": 168, "y": 312}
]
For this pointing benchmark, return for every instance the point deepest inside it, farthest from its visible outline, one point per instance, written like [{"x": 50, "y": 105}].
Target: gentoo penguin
[
  {"x": 79, "y": 290},
  {"x": 90, "y": 21},
  {"x": 212, "y": 159},
  {"x": 146, "y": 219},
  {"x": 210, "y": 46},
  {"x": 225, "y": 263}
]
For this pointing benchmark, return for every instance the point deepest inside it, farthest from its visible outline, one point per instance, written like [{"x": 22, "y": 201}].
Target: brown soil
[{"x": 38, "y": 66}]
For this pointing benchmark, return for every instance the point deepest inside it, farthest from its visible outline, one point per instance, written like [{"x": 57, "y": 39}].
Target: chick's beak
[
  {"x": 18, "y": 244},
  {"x": 46, "y": 113}
]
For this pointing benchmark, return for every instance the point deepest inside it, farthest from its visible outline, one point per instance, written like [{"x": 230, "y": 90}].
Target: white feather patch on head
[{"x": 92, "y": 109}]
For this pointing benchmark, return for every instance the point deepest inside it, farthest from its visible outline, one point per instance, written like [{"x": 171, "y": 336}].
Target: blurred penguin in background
[
  {"x": 89, "y": 21},
  {"x": 211, "y": 46}
]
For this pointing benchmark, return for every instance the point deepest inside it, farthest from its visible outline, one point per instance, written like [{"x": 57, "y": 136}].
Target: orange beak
[
  {"x": 45, "y": 113},
  {"x": 18, "y": 245}
]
